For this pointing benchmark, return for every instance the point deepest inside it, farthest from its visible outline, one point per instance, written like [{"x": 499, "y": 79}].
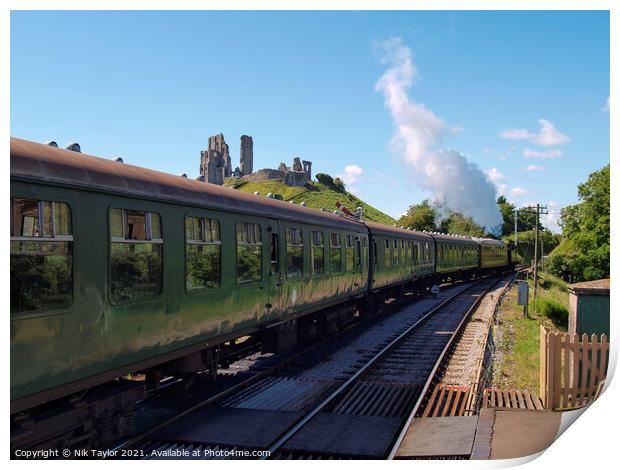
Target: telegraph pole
[
  {"x": 536, "y": 258},
  {"x": 538, "y": 210},
  {"x": 516, "y": 226}
]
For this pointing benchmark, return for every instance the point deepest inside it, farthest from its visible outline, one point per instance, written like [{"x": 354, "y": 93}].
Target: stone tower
[
  {"x": 211, "y": 166},
  {"x": 219, "y": 145},
  {"x": 247, "y": 155}
]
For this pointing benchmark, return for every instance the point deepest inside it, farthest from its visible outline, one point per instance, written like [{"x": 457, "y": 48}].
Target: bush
[
  {"x": 339, "y": 184},
  {"x": 554, "y": 311},
  {"x": 325, "y": 179}
]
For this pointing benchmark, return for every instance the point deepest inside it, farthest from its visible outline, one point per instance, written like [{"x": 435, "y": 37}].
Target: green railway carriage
[
  {"x": 116, "y": 268},
  {"x": 493, "y": 253},
  {"x": 455, "y": 254},
  {"x": 399, "y": 255}
]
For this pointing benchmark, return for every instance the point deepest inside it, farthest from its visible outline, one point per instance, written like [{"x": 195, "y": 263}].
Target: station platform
[{"x": 493, "y": 434}]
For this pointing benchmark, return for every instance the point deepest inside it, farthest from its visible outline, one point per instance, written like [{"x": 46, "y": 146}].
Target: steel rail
[
  {"x": 305, "y": 419},
  {"x": 400, "y": 302},
  {"x": 432, "y": 376}
]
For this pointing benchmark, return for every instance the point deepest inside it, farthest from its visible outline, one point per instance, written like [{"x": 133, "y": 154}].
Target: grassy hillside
[{"x": 314, "y": 194}]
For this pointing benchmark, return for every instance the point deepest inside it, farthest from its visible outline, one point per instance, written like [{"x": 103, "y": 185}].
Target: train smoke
[{"x": 456, "y": 183}]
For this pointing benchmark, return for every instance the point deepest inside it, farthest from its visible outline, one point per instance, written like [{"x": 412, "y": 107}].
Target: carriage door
[
  {"x": 276, "y": 267},
  {"x": 358, "y": 279}
]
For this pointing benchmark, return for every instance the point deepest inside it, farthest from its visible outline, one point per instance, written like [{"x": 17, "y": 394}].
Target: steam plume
[{"x": 456, "y": 183}]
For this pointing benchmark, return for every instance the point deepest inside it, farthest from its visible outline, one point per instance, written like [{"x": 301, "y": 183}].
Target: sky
[{"x": 456, "y": 107}]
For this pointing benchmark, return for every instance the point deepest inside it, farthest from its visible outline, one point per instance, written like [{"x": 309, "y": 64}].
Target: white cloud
[
  {"x": 456, "y": 130},
  {"x": 517, "y": 134},
  {"x": 498, "y": 179},
  {"x": 534, "y": 168},
  {"x": 553, "y": 153},
  {"x": 605, "y": 108},
  {"x": 518, "y": 192},
  {"x": 547, "y": 136},
  {"x": 455, "y": 182},
  {"x": 350, "y": 176}
]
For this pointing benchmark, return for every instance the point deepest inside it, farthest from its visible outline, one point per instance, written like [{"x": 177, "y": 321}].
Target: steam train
[{"x": 119, "y": 270}]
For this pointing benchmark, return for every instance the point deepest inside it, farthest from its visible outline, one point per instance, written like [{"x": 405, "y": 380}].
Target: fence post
[
  {"x": 542, "y": 389},
  {"x": 557, "y": 370}
]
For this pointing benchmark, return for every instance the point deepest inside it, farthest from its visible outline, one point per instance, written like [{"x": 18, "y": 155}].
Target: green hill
[{"x": 314, "y": 194}]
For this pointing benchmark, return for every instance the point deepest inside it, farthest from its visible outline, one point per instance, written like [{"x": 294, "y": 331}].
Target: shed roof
[{"x": 598, "y": 287}]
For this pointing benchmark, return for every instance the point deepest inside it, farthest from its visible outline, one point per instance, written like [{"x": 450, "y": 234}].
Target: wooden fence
[{"x": 572, "y": 368}]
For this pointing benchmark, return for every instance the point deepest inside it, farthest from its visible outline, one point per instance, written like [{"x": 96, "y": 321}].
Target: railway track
[{"x": 350, "y": 404}]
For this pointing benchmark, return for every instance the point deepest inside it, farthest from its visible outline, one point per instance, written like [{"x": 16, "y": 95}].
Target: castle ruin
[{"x": 216, "y": 165}]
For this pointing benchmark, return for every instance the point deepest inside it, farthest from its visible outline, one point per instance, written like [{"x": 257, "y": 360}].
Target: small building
[{"x": 589, "y": 307}]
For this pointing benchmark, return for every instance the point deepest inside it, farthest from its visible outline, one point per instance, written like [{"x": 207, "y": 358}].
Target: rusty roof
[
  {"x": 388, "y": 231},
  {"x": 47, "y": 164},
  {"x": 488, "y": 241},
  {"x": 598, "y": 287},
  {"x": 444, "y": 238}
]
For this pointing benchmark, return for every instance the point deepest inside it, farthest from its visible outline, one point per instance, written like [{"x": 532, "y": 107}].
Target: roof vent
[
  {"x": 322, "y": 209},
  {"x": 184, "y": 175},
  {"x": 201, "y": 178},
  {"x": 52, "y": 143},
  {"x": 302, "y": 203},
  {"x": 256, "y": 193},
  {"x": 270, "y": 195},
  {"x": 119, "y": 159},
  {"x": 74, "y": 147}
]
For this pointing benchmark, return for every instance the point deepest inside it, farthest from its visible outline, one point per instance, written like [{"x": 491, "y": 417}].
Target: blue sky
[{"x": 153, "y": 86}]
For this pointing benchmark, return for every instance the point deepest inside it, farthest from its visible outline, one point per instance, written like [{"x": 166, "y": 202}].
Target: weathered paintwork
[{"x": 94, "y": 335}]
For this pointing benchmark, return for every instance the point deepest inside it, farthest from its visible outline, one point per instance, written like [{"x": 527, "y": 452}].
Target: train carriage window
[
  {"x": 202, "y": 253},
  {"x": 318, "y": 253},
  {"x": 387, "y": 259},
  {"x": 335, "y": 253},
  {"x": 294, "y": 252},
  {"x": 415, "y": 253},
  {"x": 249, "y": 252},
  {"x": 41, "y": 255},
  {"x": 136, "y": 261},
  {"x": 349, "y": 254}
]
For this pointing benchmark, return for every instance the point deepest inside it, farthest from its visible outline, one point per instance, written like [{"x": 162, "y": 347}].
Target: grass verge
[{"x": 517, "y": 338}]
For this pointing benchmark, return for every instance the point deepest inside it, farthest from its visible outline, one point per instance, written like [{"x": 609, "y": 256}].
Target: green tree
[
  {"x": 419, "y": 217},
  {"x": 526, "y": 219},
  {"x": 507, "y": 210},
  {"x": 339, "y": 185},
  {"x": 585, "y": 251},
  {"x": 325, "y": 179},
  {"x": 525, "y": 244},
  {"x": 458, "y": 224}
]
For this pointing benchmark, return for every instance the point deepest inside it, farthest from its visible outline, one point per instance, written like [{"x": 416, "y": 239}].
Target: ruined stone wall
[{"x": 264, "y": 175}]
